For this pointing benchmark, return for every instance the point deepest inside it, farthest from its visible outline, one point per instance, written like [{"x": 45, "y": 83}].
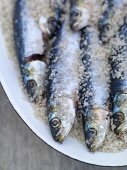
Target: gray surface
[{"x": 21, "y": 149}]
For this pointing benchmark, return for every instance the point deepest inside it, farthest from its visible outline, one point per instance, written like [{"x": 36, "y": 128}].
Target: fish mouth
[
  {"x": 92, "y": 148},
  {"x": 121, "y": 130},
  {"x": 56, "y": 130},
  {"x": 90, "y": 138},
  {"x": 33, "y": 91},
  {"x": 92, "y": 145},
  {"x": 58, "y": 138},
  {"x": 31, "y": 87},
  {"x": 57, "y": 135},
  {"x": 76, "y": 25}
]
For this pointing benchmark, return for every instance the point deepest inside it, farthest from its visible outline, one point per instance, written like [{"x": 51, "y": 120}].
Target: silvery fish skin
[
  {"x": 119, "y": 81},
  {"x": 80, "y": 13},
  {"x": 30, "y": 48},
  {"x": 62, "y": 82},
  {"x": 94, "y": 89}
]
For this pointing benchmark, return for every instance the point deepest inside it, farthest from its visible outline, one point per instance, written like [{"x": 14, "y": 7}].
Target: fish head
[
  {"x": 53, "y": 25},
  {"x": 43, "y": 23},
  {"x": 48, "y": 26},
  {"x": 56, "y": 128},
  {"x": 96, "y": 129},
  {"x": 119, "y": 117},
  {"x": 61, "y": 119},
  {"x": 34, "y": 75},
  {"x": 79, "y": 18}
]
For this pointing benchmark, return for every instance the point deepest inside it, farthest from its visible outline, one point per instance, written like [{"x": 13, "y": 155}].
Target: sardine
[
  {"x": 30, "y": 49},
  {"x": 62, "y": 81},
  {"x": 119, "y": 80},
  {"x": 94, "y": 89},
  {"x": 80, "y": 14}
]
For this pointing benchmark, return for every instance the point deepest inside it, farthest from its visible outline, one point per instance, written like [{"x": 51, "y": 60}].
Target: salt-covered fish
[
  {"x": 30, "y": 48},
  {"x": 94, "y": 89},
  {"x": 119, "y": 80},
  {"x": 63, "y": 81}
]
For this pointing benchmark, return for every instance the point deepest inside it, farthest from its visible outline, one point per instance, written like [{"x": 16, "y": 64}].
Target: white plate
[{"x": 71, "y": 147}]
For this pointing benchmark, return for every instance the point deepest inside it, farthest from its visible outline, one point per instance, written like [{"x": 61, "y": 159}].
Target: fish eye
[
  {"x": 91, "y": 133},
  {"x": 51, "y": 20},
  {"x": 52, "y": 23},
  {"x": 55, "y": 122},
  {"x": 76, "y": 13},
  {"x": 31, "y": 84},
  {"x": 118, "y": 118}
]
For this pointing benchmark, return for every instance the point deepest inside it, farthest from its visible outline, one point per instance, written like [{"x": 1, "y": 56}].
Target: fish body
[
  {"x": 94, "y": 89},
  {"x": 118, "y": 61},
  {"x": 30, "y": 48},
  {"x": 62, "y": 82}
]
